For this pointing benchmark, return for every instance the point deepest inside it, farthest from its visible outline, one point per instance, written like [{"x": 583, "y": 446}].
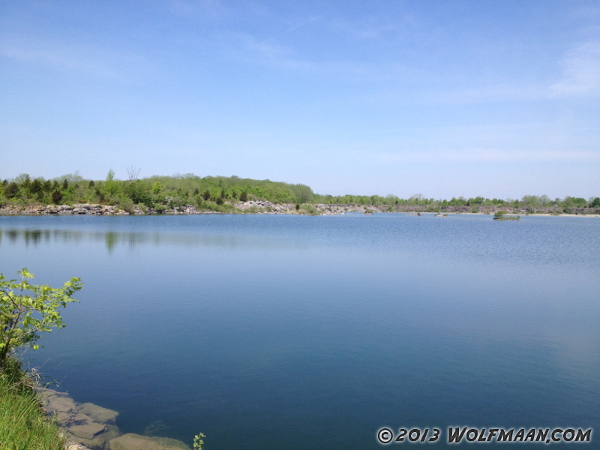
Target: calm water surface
[{"x": 288, "y": 332}]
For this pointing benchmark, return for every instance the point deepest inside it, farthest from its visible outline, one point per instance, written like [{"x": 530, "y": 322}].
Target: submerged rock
[
  {"x": 88, "y": 425},
  {"x": 64, "y": 405},
  {"x": 132, "y": 441},
  {"x": 98, "y": 413},
  {"x": 87, "y": 429},
  {"x": 91, "y": 427}
]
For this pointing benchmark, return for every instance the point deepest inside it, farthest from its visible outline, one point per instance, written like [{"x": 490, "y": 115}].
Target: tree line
[{"x": 220, "y": 193}]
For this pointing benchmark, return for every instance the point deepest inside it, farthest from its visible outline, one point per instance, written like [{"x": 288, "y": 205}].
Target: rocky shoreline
[
  {"x": 250, "y": 207},
  {"x": 91, "y": 427},
  {"x": 266, "y": 207}
]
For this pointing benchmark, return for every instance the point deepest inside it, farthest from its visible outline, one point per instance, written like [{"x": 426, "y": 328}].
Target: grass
[{"x": 24, "y": 425}]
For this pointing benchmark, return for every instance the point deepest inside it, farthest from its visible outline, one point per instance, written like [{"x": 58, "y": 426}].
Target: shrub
[
  {"x": 309, "y": 209},
  {"x": 127, "y": 205},
  {"x": 211, "y": 206},
  {"x": 27, "y": 309}
]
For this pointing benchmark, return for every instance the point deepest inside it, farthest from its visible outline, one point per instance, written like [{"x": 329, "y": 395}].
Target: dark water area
[{"x": 293, "y": 332}]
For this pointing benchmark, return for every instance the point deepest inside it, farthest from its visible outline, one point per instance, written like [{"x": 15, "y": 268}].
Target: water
[{"x": 292, "y": 332}]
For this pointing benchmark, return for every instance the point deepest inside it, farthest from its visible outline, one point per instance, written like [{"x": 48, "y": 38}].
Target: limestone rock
[
  {"x": 98, "y": 442},
  {"x": 61, "y": 405},
  {"x": 98, "y": 413},
  {"x": 131, "y": 441},
  {"x": 87, "y": 430}
]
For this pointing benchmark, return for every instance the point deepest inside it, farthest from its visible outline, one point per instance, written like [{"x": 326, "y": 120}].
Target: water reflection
[
  {"x": 114, "y": 239},
  {"x": 29, "y": 236}
]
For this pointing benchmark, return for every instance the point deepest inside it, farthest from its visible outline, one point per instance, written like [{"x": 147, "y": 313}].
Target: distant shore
[{"x": 266, "y": 207}]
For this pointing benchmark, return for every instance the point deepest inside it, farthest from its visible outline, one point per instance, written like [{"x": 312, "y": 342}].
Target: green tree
[
  {"x": 139, "y": 192},
  {"x": 27, "y": 309},
  {"x": 36, "y": 186},
  {"x": 156, "y": 188},
  {"x": 111, "y": 187},
  {"x": 11, "y": 190},
  {"x": 57, "y": 197}
]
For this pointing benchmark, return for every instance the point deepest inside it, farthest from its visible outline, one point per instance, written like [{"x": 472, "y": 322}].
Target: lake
[{"x": 297, "y": 332}]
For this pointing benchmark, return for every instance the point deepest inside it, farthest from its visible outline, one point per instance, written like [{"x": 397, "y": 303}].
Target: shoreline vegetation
[
  {"x": 23, "y": 421},
  {"x": 501, "y": 215},
  {"x": 33, "y": 417},
  {"x": 189, "y": 194}
]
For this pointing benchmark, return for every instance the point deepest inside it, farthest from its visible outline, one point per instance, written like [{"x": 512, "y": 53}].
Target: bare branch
[{"x": 133, "y": 172}]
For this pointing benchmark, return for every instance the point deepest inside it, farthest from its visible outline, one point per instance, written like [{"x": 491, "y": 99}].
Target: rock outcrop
[
  {"x": 266, "y": 207},
  {"x": 83, "y": 209}
]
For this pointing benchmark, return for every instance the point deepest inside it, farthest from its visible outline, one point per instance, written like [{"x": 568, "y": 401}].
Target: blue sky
[{"x": 442, "y": 98}]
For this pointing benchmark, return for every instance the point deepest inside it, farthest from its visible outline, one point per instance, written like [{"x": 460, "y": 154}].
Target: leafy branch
[{"x": 27, "y": 310}]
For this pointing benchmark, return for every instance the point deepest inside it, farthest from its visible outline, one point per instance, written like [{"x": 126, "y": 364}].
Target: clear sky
[{"x": 443, "y": 98}]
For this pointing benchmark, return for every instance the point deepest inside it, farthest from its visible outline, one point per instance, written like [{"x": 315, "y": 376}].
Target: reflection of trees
[
  {"x": 29, "y": 236},
  {"x": 110, "y": 240},
  {"x": 113, "y": 239}
]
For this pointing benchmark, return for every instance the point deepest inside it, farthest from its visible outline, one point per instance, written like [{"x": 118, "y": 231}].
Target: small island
[{"x": 501, "y": 215}]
